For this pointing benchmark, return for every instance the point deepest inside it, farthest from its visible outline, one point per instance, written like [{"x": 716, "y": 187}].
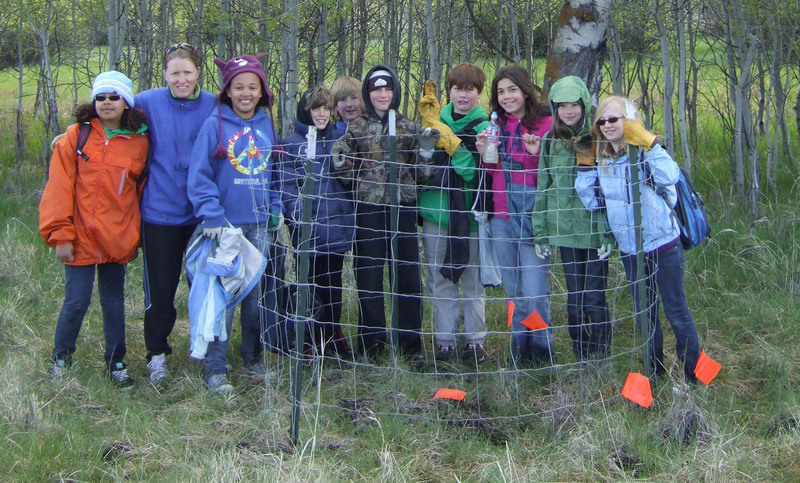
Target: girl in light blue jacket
[{"x": 664, "y": 260}]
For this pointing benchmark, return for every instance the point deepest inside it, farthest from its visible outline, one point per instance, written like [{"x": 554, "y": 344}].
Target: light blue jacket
[{"x": 614, "y": 175}]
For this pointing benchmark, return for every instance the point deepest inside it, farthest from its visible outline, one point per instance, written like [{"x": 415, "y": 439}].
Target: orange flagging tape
[
  {"x": 511, "y": 306},
  {"x": 454, "y": 394},
  {"x": 706, "y": 369},
  {"x": 637, "y": 389},
  {"x": 534, "y": 321}
]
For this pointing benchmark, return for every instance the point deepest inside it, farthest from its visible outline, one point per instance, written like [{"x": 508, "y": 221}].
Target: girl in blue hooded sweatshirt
[{"x": 230, "y": 183}]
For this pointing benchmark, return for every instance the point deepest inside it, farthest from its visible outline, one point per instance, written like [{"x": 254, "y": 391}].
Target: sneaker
[
  {"x": 58, "y": 368},
  {"x": 445, "y": 352},
  {"x": 158, "y": 368},
  {"x": 119, "y": 374},
  {"x": 218, "y": 384},
  {"x": 474, "y": 351}
]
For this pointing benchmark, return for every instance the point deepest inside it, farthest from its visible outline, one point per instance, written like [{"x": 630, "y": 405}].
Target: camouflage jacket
[{"x": 366, "y": 167}]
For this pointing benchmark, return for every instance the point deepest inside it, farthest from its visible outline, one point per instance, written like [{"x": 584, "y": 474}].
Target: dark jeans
[
  {"x": 587, "y": 312},
  {"x": 372, "y": 251},
  {"x": 78, "y": 296},
  {"x": 664, "y": 274},
  {"x": 326, "y": 288},
  {"x": 164, "y": 248}
]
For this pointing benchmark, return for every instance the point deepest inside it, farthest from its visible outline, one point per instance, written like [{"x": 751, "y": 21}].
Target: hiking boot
[
  {"x": 218, "y": 384},
  {"x": 475, "y": 352},
  {"x": 445, "y": 352},
  {"x": 255, "y": 369},
  {"x": 119, "y": 374},
  {"x": 158, "y": 368},
  {"x": 58, "y": 368}
]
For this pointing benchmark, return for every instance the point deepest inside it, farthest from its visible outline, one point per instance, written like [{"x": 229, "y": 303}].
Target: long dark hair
[
  {"x": 132, "y": 119},
  {"x": 517, "y": 74}
]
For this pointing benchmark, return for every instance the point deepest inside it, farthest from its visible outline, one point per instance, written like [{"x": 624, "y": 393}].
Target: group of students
[{"x": 215, "y": 164}]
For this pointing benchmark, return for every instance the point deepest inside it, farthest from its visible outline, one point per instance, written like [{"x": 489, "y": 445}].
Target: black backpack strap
[
  {"x": 83, "y": 134},
  {"x": 146, "y": 170}
]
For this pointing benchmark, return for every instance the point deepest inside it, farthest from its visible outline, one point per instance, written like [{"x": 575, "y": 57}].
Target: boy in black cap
[{"x": 360, "y": 158}]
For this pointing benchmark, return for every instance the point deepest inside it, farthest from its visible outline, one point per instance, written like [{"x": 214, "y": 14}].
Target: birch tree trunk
[
  {"x": 322, "y": 41},
  {"x": 580, "y": 44}
]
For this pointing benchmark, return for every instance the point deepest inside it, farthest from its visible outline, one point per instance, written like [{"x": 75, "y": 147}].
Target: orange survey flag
[
  {"x": 637, "y": 389},
  {"x": 511, "y": 306},
  {"x": 706, "y": 369},
  {"x": 454, "y": 394},
  {"x": 534, "y": 321}
]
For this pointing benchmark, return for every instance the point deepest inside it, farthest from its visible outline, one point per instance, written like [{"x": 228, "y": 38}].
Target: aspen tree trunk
[
  {"x": 669, "y": 81},
  {"x": 20, "y": 137},
  {"x": 322, "y": 41},
  {"x": 288, "y": 104},
  {"x": 580, "y": 44},
  {"x": 682, "y": 14}
]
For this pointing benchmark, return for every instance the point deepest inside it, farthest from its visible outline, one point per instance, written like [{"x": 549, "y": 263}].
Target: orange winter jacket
[{"x": 95, "y": 203}]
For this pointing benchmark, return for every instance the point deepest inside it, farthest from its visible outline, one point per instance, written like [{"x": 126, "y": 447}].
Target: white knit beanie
[{"x": 113, "y": 82}]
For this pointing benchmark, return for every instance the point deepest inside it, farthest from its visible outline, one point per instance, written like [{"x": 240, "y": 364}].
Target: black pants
[
  {"x": 164, "y": 247},
  {"x": 326, "y": 285},
  {"x": 372, "y": 251},
  {"x": 587, "y": 312}
]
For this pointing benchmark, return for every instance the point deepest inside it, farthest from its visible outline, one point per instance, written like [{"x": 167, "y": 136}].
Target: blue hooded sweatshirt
[
  {"x": 333, "y": 211},
  {"x": 172, "y": 128},
  {"x": 237, "y": 188}
]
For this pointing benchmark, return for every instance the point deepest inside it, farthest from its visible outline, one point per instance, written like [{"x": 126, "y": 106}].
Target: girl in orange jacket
[{"x": 89, "y": 213}]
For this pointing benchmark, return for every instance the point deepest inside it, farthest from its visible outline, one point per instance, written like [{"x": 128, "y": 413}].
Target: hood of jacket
[
  {"x": 572, "y": 89},
  {"x": 396, "y": 89}
]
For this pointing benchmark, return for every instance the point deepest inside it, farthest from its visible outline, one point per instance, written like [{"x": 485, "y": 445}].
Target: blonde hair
[
  {"x": 346, "y": 87},
  {"x": 604, "y": 149}
]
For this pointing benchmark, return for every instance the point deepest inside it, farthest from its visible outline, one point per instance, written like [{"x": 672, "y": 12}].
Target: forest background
[{"x": 719, "y": 78}]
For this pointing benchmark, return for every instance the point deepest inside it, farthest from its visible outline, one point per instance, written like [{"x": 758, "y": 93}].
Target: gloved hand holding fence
[
  {"x": 427, "y": 142},
  {"x": 339, "y": 150},
  {"x": 542, "y": 251},
  {"x": 429, "y": 108},
  {"x": 637, "y": 135},
  {"x": 585, "y": 150},
  {"x": 604, "y": 251}
]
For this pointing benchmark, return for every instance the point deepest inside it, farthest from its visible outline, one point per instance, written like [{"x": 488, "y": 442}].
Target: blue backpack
[{"x": 689, "y": 210}]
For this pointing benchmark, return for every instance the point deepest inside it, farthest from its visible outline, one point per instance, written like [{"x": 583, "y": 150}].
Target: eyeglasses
[
  {"x": 610, "y": 120},
  {"x": 102, "y": 98},
  {"x": 180, "y": 46}
]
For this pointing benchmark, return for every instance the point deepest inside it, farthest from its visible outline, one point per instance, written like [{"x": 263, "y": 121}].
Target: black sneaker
[
  {"x": 445, "y": 352},
  {"x": 119, "y": 374},
  {"x": 474, "y": 352}
]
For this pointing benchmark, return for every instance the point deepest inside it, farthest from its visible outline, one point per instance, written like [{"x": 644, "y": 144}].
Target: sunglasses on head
[
  {"x": 112, "y": 97},
  {"x": 180, "y": 46},
  {"x": 610, "y": 120}
]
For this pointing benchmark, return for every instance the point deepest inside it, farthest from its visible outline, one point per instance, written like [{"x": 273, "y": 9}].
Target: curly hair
[{"x": 132, "y": 119}]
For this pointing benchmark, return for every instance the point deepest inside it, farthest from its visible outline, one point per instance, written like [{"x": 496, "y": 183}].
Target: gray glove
[
  {"x": 212, "y": 233},
  {"x": 427, "y": 142},
  {"x": 604, "y": 251},
  {"x": 542, "y": 251},
  {"x": 339, "y": 150}
]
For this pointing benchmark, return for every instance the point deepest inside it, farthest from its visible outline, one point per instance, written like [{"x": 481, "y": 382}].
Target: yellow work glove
[
  {"x": 429, "y": 108},
  {"x": 585, "y": 150},
  {"x": 637, "y": 135}
]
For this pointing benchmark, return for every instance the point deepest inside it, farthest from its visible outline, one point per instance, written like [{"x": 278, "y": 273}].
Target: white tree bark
[{"x": 579, "y": 44}]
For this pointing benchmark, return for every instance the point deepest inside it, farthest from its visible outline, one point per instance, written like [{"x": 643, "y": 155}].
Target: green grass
[{"x": 380, "y": 423}]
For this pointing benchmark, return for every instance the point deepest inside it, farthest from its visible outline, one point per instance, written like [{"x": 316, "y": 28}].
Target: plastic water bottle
[{"x": 493, "y": 130}]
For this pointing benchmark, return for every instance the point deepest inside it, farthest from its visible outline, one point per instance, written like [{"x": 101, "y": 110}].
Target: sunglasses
[
  {"x": 102, "y": 98},
  {"x": 610, "y": 120},
  {"x": 180, "y": 46}
]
